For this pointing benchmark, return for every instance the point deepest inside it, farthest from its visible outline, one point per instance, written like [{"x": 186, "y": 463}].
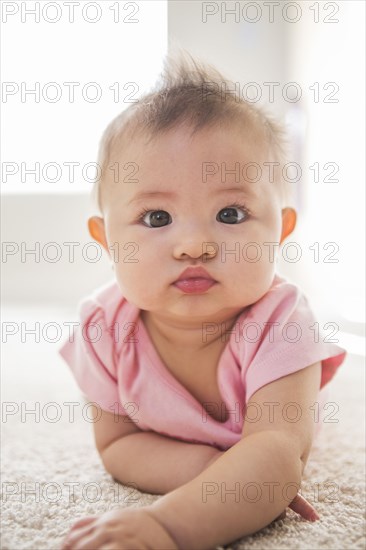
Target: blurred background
[{"x": 303, "y": 61}]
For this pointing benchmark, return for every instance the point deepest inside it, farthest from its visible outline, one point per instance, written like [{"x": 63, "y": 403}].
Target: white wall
[
  {"x": 34, "y": 222},
  {"x": 334, "y": 212}
]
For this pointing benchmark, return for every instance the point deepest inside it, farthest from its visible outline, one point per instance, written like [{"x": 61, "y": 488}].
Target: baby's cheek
[
  {"x": 137, "y": 281},
  {"x": 257, "y": 270}
]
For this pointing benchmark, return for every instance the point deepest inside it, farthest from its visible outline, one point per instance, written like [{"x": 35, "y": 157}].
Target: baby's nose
[{"x": 195, "y": 244}]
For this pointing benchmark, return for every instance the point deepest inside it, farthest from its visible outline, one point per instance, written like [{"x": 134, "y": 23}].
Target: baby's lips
[{"x": 194, "y": 273}]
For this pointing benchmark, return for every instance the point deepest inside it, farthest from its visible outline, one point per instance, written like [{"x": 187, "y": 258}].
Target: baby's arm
[
  {"x": 152, "y": 462},
  {"x": 255, "y": 480}
]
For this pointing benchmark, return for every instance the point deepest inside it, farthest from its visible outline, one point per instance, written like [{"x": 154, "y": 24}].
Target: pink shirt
[{"x": 117, "y": 366}]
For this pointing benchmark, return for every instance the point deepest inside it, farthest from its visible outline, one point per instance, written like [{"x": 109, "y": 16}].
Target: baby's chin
[{"x": 193, "y": 310}]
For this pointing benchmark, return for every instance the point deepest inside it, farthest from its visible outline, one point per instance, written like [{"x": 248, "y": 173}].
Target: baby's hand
[
  {"x": 128, "y": 528},
  {"x": 120, "y": 529}
]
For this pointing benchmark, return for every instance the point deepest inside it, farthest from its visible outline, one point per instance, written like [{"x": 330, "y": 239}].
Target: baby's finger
[
  {"x": 301, "y": 506},
  {"x": 95, "y": 540},
  {"x": 83, "y": 521},
  {"x": 75, "y": 535}
]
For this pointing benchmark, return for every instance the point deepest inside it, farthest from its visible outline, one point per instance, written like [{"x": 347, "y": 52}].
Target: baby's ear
[
  {"x": 97, "y": 231},
  {"x": 288, "y": 222}
]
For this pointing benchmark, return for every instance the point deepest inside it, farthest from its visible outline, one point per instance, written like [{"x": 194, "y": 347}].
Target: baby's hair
[{"x": 194, "y": 94}]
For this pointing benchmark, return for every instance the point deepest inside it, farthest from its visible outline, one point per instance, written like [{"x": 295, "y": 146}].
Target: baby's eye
[
  {"x": 158, "y": 218},
  {"x": 230, "y": 214}
]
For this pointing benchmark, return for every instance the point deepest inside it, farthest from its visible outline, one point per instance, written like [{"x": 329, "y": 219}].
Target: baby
[{"x": 201, "y": 361}]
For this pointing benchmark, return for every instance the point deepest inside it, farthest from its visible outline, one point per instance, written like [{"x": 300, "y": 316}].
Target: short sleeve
[
  {"x": 281, "y": 336},
  {"x": 91, "y": 355}
]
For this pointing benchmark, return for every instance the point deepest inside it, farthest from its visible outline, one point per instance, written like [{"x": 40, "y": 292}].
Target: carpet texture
[{"x": 52, "y": 474}]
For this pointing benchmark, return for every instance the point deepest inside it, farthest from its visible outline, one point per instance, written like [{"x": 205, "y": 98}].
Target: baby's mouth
[{"x": 196, "y": 285}]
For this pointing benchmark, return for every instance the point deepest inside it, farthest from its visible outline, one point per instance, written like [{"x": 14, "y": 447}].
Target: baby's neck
[{"x": 188, "y": 337}]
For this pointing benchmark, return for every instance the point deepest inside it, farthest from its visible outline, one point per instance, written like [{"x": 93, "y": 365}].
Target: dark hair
[{"x": 194, "y": 94}]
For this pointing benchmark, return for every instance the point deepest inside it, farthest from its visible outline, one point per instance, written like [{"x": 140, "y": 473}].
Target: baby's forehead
[
  {"x": 179, "y": 142},
  {"x": 220, "y": 155},
  {"x": 177, "y": 179}
]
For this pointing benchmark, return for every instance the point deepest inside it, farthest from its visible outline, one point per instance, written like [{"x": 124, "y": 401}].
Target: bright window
[{"x": 64, "y": 81}]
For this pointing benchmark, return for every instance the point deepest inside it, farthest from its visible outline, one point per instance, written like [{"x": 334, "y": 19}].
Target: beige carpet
[{"x": 52, "y": 475}]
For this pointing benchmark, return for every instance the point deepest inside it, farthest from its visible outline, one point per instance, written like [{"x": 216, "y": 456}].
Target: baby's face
[{"x": 161, "y": 234}]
